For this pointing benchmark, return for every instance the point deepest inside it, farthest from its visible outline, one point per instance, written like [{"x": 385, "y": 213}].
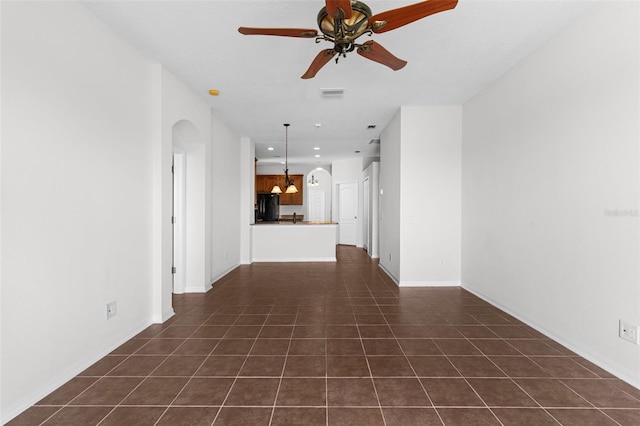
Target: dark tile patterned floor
[{"x": 337, "y": 344}]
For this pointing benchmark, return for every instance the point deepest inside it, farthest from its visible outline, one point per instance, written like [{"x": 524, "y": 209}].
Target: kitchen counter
[{"x": 305, "y": 241}]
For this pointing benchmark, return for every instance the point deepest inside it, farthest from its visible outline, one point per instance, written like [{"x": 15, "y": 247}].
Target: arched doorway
[
  {"x": 189, "y": 206},
  {"x": 318, "y": 195}
]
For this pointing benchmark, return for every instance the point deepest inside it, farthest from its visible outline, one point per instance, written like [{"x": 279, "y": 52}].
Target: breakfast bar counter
[{"x": 293, "y": 242}]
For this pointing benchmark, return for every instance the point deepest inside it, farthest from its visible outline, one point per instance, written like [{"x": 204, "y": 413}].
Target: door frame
[
  {"x": 366, "y": 215},
  {"x": 178, "y": 221},
  {"x": 355, "y": 184}
]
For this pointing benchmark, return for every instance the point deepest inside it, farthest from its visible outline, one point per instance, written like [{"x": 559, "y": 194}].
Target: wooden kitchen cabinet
[
  {"x": 292, "y": 199},
  {"x": 265, "y": 183}
]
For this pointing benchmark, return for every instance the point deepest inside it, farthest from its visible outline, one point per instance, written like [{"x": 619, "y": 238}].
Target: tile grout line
[
  {"x": 395, "y": 338},
  {"x": 284, "y": 366},
  {"x": 199, "y": 367},
  {"x": 241, "y": 367}
]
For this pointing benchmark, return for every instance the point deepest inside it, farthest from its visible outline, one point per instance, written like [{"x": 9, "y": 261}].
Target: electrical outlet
[
  {"x": 111, "y": 310},
  {"x": 628, "y": 332}
]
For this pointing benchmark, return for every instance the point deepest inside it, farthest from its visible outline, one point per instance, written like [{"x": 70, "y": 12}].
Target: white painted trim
[
  {"x": 67, "y": 374},
  {"x": 179, "y": 227},
  {"x": 429, "y": 284},
  {"x": 386, "y": 271},
  {"x": 223, "y": 274},
  {"x": 296, "y": 259},
  {"x": 628, "y": 376},
  {"x": 196, "y": 289},
  {"x": 162, "y": 318}
]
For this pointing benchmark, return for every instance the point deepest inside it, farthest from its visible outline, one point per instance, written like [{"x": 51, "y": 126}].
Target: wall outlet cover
[
  {"x": 628, "y": 331},
  {"x": 111, "y": 309}
]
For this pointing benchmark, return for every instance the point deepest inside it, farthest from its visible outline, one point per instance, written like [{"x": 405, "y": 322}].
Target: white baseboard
[
  {"x": 67, "y": 374},
  {"x": 196, "y": 289},
  {"x": 221, "y": 275},
  {"x": 296, "y": 259},
  {"x": 630, "y": 377},
  {"x": 429, "y": 284},
  {"x": 401, "y": 283},
  {"x": 386, "y": 271},
  {"x": 162, "y": 318}
]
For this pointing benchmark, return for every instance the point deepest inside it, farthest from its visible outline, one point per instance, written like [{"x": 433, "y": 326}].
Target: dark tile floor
[{"x": 337, "y": 344}]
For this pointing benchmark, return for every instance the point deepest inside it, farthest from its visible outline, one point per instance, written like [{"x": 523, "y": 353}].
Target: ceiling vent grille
[
  {"x": 374, "y": 142},
  {"x": 332, "y": 93}
]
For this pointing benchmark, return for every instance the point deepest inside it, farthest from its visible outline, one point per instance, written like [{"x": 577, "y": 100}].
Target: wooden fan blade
[
  {"x": 318, "y": 62},
  {"x": 395, "y": 18},
  {"x": 284, "y": 32},
  {"x": 374, "y": 51},
  {"x": 334, "y": 7}
]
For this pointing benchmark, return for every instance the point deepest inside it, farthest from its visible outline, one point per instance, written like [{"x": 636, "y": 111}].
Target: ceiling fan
[{"x": 343, "y": 21}]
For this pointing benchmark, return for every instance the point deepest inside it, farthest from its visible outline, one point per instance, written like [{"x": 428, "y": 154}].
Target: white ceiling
[{"x": 452, "y": 56}]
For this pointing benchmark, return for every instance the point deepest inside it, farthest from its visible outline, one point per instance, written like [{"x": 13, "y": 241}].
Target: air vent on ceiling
[
  {"x": 374, "y": 142},
  {"x": 332, "y": 93}
]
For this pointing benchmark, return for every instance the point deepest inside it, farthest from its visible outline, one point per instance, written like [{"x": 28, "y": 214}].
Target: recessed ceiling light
[
  {"x": 316, "y": 148},
  {"x": 282, "y": 162},
  {"x": 270, "y": 148},
  {"x": 317, "y": 155},
  {"x": 318, "y": 125}
]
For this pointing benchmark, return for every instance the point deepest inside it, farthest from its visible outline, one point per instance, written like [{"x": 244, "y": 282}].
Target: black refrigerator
[{"x": 268, "y": 208}]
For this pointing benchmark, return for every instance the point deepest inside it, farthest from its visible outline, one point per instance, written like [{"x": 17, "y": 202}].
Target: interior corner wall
[
  {"x": 389, "y": 201},
  {"x": 186, "y": 123},
  {"x": 430, "y": 195},
  {"x": 551, "y": 188},
  {"x": 77, "y": 185},
  {"x": 420, "y": 196},
  {"x": 373, "y": 173},
  {"x": 226, "y": 165}
]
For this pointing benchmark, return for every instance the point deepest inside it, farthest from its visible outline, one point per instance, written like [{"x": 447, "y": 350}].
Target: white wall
[
  {"x": 77, "y": 135},
  {"x": 420, "y": 178},
  {"x": 372, "y": 172},
  {"x": 185, "y": 124},
  {"x": 390, "y": 181},
  {"x": 226, "y": 165},
  {"x": 430, "y": 195},
  {"x": 86, "y": 190},
  {"x": 548, "y": 151}
]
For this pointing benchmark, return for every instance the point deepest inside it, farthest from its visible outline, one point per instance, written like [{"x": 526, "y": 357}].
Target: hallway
[{"x": 337, "y": 344}]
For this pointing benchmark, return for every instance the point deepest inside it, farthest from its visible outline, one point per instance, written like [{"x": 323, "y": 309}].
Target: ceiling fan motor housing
[{"x": 347, "y": 30}]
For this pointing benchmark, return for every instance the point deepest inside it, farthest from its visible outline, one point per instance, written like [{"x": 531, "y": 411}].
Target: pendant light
[{"x": 290, "y": 187}]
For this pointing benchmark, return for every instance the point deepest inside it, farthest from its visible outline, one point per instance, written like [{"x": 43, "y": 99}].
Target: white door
[
  {"x": 347, "y": 213},
  {"x": 365, "y": 215},
  {"x": 316, "y": 205}
]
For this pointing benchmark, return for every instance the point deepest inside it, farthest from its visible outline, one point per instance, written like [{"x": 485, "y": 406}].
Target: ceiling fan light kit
[{"x": 342, "y": 22}]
